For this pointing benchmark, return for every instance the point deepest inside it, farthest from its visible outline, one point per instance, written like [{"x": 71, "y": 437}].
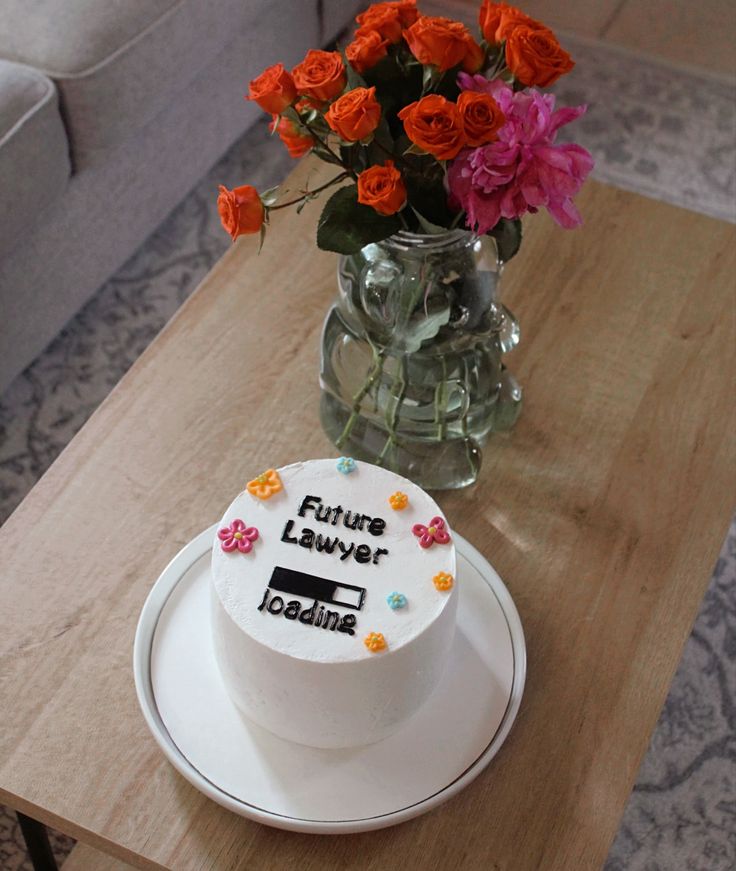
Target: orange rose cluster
[
  {"x": 443, "y": 128},
  {"x": 532, "y": 51},
  {"x": 319, "y": 101}
]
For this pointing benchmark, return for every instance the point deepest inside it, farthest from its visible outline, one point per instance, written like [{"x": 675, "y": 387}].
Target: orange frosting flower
[
  {"x": 498, "y": 20},
  {"x": 398, "y": 501},
  {"x": 535, "y": 57},
  {"x": 366, "y": 50},
  {"x": 441, "y": 42},
  {"x": 241, "y": 210},
  {"x": 382, "y": 188},
  {"x": 355, "y": 115},
  {"x": 435, "y": 125},
  {"x": 273, "y": 90},
  {"x": 482, "y": 117},
  {"x": 320, "y": 75},
  {"x": 265, "y": 485},
  {"x": 443, "y": 581},
  {"x": 375, "y": 642},
  {"x": 297, "y": 143}
]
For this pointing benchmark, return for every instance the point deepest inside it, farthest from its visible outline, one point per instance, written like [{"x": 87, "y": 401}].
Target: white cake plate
[{"x": 246, "y": 769}]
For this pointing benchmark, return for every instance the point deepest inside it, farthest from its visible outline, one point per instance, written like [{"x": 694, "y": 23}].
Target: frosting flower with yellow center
[
  {"x": 398, "y": 501},
  {"x": 435, "y": 532},
  {"x": 396, "y": 600},
  {"x": 375, "y": 642},
  {"x": 443, "y": 581},
  {"x": 346, "y": 465},
  {"x": 264, "y": 486},
  {"x": 237, "y": 536}
]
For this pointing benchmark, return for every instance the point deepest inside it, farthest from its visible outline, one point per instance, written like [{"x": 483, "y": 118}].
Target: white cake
[{"x": 333, "y": 607}]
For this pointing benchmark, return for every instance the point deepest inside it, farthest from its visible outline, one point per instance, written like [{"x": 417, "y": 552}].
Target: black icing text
[
  {"x": 307, "y": 538},
  {"x": 315, "y": 615}
]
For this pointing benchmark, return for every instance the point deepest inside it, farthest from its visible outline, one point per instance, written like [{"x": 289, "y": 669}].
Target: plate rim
[{"x": 146, "y": 628}]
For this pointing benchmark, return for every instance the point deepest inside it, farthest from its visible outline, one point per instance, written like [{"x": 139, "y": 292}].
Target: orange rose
[
  {"x": 482, "y": 117},
  {"x": 320, "y": 75},
  {"x": 498, "y": 20},
  {"x": 366, "y": 50},
  {"x": 535, "y": 57},
  {"x": 474, "y": 58},
  {"x": 273, "y": 90},
  {"x": 382, "y": 188},
  {"x": 296, "y": 142},
  {"x": 241, "y": 210},
  {"x": 438, "y": 41},
  {"x": 389, "y": 18},
  {"x": 435, "y": 125},
  {"x": 355, "y": 115},
  {"x": 382, "y": 18}
]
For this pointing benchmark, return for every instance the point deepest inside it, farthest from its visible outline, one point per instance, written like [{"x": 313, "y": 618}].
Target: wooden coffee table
[{"x": 603, "y": 511}]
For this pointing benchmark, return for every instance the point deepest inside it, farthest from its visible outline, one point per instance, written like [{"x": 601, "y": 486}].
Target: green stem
[
  {"x": 375, "y": 372},
  {"x": 464, "y": 425},
  {"x": 440, "y": 403},
  {"x": 323, "y": 142},
  {"x": 335, "y": 180},
  {"x": 398, "y": 391}
]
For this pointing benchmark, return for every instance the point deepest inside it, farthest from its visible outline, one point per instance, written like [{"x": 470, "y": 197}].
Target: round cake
[{"x": 333, "y": 601}]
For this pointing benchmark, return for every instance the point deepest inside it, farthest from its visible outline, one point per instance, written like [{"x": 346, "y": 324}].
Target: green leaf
[
  {"x": 269, "y": 197},
  {"x": 508, "y": 238},
  {"x": 326, "y": 155},
  {"x": 428, "y": 226},
  {"x": 346, "y": 225},
  {"x": 425, "y": 329},
  {"x": 355, "y": 80}
]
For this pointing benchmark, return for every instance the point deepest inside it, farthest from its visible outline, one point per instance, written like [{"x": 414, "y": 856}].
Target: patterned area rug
[{"x": 653, "y": 129}]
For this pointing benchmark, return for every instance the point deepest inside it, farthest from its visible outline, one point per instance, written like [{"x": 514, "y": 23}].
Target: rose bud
[
  {"x": 355, "y": 115},
  {"x": 241, "y": 210},
  {"x": 273, "y": 90},
  {"x": 382, "y": 188}
]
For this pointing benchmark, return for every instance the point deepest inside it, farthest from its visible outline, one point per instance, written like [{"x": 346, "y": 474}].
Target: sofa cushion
[
  {"x": 34, "y": 152},
  {"x": 118, "y": 63}
]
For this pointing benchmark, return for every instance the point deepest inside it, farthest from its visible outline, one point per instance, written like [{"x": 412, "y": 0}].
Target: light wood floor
[{"x": 694, "y": 33}]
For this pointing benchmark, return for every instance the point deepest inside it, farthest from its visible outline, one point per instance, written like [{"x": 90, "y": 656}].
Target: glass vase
[{"x": 411, "y": 374}]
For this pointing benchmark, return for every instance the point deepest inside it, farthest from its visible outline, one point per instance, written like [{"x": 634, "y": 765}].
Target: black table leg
[{"x": 37, "y": 841}]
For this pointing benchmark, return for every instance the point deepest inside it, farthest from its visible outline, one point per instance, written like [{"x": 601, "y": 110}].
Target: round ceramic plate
[{"x": 241, "y": 766}]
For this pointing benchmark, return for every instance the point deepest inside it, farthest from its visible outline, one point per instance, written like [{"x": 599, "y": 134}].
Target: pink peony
[{"x": 523, "y": 169}]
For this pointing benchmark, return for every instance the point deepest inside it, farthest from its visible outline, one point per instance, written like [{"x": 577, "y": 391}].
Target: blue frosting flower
[
  {"x": 346, "y": 465},
  {"x": 396, "y": 600}
]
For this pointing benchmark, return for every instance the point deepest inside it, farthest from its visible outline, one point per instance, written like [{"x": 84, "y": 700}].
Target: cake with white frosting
[{"x": 333, "y": 601}]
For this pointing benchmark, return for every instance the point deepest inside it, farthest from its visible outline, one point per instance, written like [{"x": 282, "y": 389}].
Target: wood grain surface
[{"x": 603, "y": 511}]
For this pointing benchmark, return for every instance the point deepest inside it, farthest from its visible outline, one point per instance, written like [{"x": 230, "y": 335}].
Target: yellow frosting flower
[
  {"x": 398, "y": 501},
  {"x": 265, "y": 485},
  {"x": 443, "y": 581},
  {"x": 375, "y": 642}
]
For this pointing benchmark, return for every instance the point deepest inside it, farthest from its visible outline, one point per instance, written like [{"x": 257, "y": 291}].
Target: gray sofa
[{"x": 110, "y": 111}]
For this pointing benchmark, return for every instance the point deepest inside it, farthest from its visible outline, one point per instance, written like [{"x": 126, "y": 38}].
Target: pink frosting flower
[
  {"x": 435, "y": 532},
  {"x": 523, "y": 169},
  {"x": 237, "y": 536}
]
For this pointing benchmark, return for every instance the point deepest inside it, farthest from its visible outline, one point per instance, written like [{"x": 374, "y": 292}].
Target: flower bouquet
[
  {"x": 431, "y": 129},
  {"x": 441, "y": 142}
]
